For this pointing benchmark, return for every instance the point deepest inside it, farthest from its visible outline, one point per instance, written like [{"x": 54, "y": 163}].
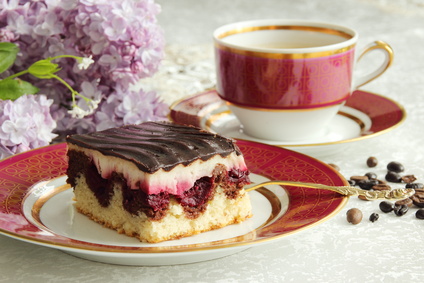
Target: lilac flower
[
  {"x": 121, "y": 37},
  {"x": 136, "y": 107},
  {"x": 84, "y": 63},
  {"x": 110, "y": 58},
  {"x": 89, "y": 100},
  {"x": 132, "y": 108},
  {"x": 6, "y": 35},
  {"x": 26, "y": 123}
]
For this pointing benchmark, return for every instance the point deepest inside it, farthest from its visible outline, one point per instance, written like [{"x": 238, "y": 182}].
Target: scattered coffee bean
[
  {"x": 337, "y": 168},
  {"x": 418, "y": 199},
  {"x": 381, "y": 181},
  {"x": 361, "y": 197},
  {"x": 420, "y": 213},
  {"x": 381, "y": 187},
  {"x": 386, "y": 206},
  {"x": 414, "y": 185},
  {"x": 372, "y": 161},
  {"x": 362, "y": 184},
  {"x": 354, "y": 216},
  {"x": 395, "y": 167},
  {"x": 374, "y": 182},
  {"x": 393, "y": 177},
  {"x": 370, "y": 182},
  {"x": 408, "y": 179},
  {"x": 419, "y": 190},
  {"x": 371, "y": 176},
  {"x": 352, "y": 182},
  {"x": 367, "y": 184},
  {"x": 408, "y": 202},
  {"x": 359, "y": 178},
  {"x": 374, "y": 217},
  {"x": 400, "y": 210}
]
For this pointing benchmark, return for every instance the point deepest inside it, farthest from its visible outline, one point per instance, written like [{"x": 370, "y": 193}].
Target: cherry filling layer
[{"x": 194, "y": 201}]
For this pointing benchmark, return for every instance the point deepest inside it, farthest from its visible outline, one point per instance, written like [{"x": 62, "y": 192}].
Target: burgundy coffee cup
[{"x": 286, "y": 79}]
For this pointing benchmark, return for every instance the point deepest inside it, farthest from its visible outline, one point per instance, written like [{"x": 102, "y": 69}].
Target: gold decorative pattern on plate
[{"x": 36, "y": 212}]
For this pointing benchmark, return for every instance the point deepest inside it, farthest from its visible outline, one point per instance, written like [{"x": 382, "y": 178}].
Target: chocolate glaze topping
[{"x": 155, "y": 145}]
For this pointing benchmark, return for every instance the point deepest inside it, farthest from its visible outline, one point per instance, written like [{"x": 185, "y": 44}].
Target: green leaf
[
  {"x": 13, "y": 89},
  {"x": 8, "y": 52},
  {"x": 43, "y": 69}
]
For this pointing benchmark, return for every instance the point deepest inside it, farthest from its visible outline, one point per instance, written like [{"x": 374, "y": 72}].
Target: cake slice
[{"x": 158, "y": 181}]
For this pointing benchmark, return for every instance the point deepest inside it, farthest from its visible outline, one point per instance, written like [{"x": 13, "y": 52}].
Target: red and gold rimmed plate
[
  {"x": 36, "y": 207},
  {"x": 365, "y": 115}
]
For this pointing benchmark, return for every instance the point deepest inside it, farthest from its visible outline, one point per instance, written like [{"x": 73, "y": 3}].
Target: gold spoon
[{"x": 395, "y": 194}]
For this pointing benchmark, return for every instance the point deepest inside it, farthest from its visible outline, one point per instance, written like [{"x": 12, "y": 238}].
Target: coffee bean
[
  {"x": 361, "y": 197},
  {"x": 354, "y": 216},
  {"x": 420, "y": 213},
  {"x": 400, "y": 210},
  {"x": 381, "y": 187},
  {"x": 373, "y": 182},
  {"x": 419, "y": 190},
  {"x": 408, "y": 179},
  {"x": 386, "y": 206},
  {"x": 337, "y": 168},
  {"x": 395, "y": 167},
  {"x": 367, "y": 184},
  {"x": 414, "y": 185},
  {"x": 371, "y": 175},
  {"x": 362, "y": 184},
  {"x": 372, "y": 161},
  {"x": 359, "y": 178},
  {"x": 418, "y": 199},
  {"x": 408, "y": 202},
  {"x": 393, "y": 177},
  {"x": 374, "y": 217}
]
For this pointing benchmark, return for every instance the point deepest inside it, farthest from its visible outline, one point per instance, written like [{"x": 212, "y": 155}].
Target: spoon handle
[{"x": 395, "y": 194}]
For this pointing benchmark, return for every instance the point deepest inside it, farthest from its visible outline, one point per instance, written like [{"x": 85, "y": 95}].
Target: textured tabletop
[{"x": 388, "y": 250}]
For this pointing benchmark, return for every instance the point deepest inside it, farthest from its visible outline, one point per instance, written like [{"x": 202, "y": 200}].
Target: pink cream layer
[{"x": 176, "y": 181}]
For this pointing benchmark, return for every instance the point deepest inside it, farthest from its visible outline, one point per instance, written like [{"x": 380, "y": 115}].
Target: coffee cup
[{"x": 285, "y": 80}]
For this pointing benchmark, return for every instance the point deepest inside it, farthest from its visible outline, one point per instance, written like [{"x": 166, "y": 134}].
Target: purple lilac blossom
[
  {"x": 122, "y": 37},
  {"x": 26, "y": 123}
]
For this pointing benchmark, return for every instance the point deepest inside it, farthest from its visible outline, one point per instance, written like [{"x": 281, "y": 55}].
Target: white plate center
[{"x": 59, "y": 216}]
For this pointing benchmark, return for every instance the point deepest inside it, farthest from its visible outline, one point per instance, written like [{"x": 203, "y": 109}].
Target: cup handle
[{"x": 387, "y": 51}]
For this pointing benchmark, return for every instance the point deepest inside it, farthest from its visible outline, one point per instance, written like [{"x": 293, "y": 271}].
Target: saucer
[{"x": 357, "y": 120}]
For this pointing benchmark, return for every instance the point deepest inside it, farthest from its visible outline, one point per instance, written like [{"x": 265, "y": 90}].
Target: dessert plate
[
  {"x": 365, "y": 115},
  {"x": 36, "y": 207}
]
